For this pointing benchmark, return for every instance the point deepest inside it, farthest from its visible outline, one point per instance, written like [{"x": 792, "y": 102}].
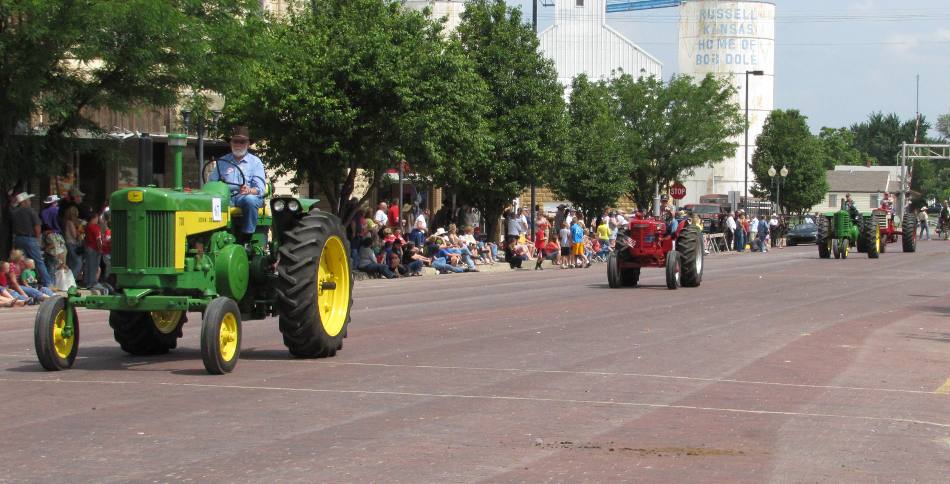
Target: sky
[{"x": 836, "y": 61}]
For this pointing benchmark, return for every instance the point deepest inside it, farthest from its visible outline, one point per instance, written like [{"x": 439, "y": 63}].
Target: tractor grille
[
  {"x": 160, "y": 228},
  {"x": 120, "y": 241},
  {"x": 643, "y": 234},
  {"x": 880, "y": 219}
]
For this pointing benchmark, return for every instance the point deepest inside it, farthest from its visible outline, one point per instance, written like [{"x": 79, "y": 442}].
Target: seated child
[{"x": 28, "y": 278}]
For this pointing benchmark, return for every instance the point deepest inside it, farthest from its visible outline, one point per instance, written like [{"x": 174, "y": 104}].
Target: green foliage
[
  {"x": 597, "y": 173},
  {"x": 64, "y": 58},
  {"x": 881, "y": 136},
  {"x": 673, "y": 128},
  {"x": 786, "y": 141},
  {"x": 525, "y": 107},
  {"x": 943, "y": 126},
  {"x": 837, "y": 148},
  {"x": 354, "y": 87}
]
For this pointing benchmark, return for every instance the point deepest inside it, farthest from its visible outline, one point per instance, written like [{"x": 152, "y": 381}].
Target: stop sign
[{"x": 678, "y": 191}]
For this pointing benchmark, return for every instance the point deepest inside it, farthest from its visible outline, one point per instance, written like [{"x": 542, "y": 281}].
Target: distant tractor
[
  {"x": 868, "y": 232},
  {"x": 649, "y": 243},
  {"x": 175, "y": 251}
]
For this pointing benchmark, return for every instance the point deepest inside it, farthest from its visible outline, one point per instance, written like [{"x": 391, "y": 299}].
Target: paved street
[{"x": 780, "y": 368}]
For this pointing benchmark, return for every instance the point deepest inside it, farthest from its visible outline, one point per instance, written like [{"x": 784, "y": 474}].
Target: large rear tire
[
  {"x": 54, "y": 348},
  {"x": 673, "y": 270},
  {"x": 909, "y": 233},
  {"x": 871, "y": 233},
  {"x": 630, "y": 277},
  {"x": 314, "y": 287},
  {"x": 824, "y": 238},
  {"x": 690, "y": 247},
  {"x": 144, "y": 334}
]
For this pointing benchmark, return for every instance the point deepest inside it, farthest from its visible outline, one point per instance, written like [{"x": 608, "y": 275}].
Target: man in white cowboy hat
[
  {"x": 244, "y": 172},
  {"x": 27, "y": 232},
  {"x": 50, "y": 214}
]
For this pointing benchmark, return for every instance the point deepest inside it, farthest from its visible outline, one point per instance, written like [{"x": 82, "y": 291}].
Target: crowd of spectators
[{"x": 66, "y": 244}]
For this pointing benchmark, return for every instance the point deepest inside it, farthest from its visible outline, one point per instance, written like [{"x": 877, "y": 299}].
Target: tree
[
  {"x": 597, "y": 173},
  {"x": 351, "y": 88},
  {"x": 63, "y": 59},
  {"x": 881, "y": 136},
  {"x": 675, "y": 127},
  {"x": 525, "y": 108},
  {"x": 837, "y": 148},
  {"x": 943, "y": 126},
  {"x": 786, "y": 141}
]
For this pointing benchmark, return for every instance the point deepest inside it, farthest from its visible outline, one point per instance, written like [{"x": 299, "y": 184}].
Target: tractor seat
[{"x": 261, "y": 212}]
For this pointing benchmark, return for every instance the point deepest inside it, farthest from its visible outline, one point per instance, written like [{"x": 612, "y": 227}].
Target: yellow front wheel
[
  {"x": 221, "y": 336},
  {"x": 56, "y": 342}
]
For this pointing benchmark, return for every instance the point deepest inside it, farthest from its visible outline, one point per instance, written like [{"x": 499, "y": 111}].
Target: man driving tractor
[{"x": 244, "y": 172}]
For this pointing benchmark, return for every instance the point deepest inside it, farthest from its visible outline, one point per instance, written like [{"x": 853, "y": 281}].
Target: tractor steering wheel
[{"x": 204, "y": 169}]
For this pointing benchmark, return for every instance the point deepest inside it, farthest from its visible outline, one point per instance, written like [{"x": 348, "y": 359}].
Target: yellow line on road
[{"x": 944, "y": 389}]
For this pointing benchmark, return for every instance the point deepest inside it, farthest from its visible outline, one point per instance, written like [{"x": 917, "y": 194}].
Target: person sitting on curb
[
  {"x": 28, "y": 279},
  {"x": 413, "y": 259},
  {"x": 368, "y": 264},
  {"x": 9, "y": 280}
]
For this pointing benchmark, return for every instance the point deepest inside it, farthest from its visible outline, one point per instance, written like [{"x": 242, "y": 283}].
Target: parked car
[
  {"x": 709, "y": 213},
  {"x": 802, "y": 234}
]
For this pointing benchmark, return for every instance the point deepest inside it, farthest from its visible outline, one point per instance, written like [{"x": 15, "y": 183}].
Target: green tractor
[
  {"x": 840, "y": 232},
  {"x": 176, "y": 251}
]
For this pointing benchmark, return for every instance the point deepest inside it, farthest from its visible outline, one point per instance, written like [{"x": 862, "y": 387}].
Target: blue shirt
[
  {"x": 577, "y": 233},
  {"x": 251, "y": 166}
]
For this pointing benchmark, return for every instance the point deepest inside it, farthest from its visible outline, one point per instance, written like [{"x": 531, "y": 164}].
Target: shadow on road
[
  {"x": 112, "y": 358},
  {"x": 639, "y": 286}
]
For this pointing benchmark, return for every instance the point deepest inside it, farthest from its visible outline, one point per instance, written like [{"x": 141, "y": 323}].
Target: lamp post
[
  {"x": 745, "y": 191},
  {"x": 201, "y": 124},
  {"x": 534, "y": 200},
  {"x": 778, "y": 182}
]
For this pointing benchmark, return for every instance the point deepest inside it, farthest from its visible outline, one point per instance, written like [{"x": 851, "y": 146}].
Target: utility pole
[{"x": 534, "y": 176}]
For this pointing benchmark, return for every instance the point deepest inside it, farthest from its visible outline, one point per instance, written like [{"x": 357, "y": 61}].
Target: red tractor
[{"x": 650, "y": 243}]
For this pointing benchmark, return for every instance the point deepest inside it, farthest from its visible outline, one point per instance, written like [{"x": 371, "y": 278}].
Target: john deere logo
[{"x": 135, "y": 196}]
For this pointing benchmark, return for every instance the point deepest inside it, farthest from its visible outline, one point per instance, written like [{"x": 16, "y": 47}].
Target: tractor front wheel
[
  {"x": 614, "y": 279},
  {"x": 673, "y": 270},
  {"x": 56, "y": 346},
  {"x": 314, "y": 286},
  {"x": 143, "y": 334},
  {"x": 836, "y": 248},
  {"x": 221, "y": 336},
  {"x": 844, "y": 247},
  {"x": 690, "y": 248}
]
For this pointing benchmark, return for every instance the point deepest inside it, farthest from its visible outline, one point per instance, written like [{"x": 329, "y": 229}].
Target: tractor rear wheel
[
  {"x": 824, "y": 240},
  {"x": 630, "y": 277},
  {"x": 690, "y": 247},
  {"x": 143, "y": 334},
  {"x": 314, "y": 286},
  {"x": 221, "y": 336},
  {"x": 614, "y": 279},
  {"x": 872, "y": 235},
  {"x": 54, "y": 348},
  {"x": 862, "y": 242},
  {"x": 673, "y": 270},
  {"x": 909, "y": 233}
]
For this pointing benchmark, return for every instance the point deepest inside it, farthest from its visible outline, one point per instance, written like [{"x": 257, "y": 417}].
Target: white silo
[
  {"x": 729, "y": 39},
  {"x": 451, "y": 10}
]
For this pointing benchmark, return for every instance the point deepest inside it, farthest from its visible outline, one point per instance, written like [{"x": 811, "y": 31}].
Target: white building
[
  {"x": 580, "y": 41},
  {"x": 450, "y": 10}
]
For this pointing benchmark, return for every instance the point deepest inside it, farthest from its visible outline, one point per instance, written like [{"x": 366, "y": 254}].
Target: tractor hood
[{"x": 165, "y": 199}]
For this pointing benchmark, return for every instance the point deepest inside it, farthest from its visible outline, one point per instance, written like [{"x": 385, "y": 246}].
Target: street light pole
[
  {"x": 784, "y": 173},
  {"x": 534, "y": 24},
  {"x": 745, "y": 203}
]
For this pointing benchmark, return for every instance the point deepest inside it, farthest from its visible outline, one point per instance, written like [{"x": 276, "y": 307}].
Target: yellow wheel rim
[
  {"x": 333, "y": 286},
  {"x": 228, "y": 337},
  {"x": 877, "y": 240},
  {"x": 63, "y": 346},
  {"x": 166, "y": 321}
]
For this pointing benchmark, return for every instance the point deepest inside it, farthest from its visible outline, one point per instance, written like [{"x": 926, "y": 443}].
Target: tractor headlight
[
  {"x": 279, "y": 205},
  {"x": 293, "y": 205}
]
